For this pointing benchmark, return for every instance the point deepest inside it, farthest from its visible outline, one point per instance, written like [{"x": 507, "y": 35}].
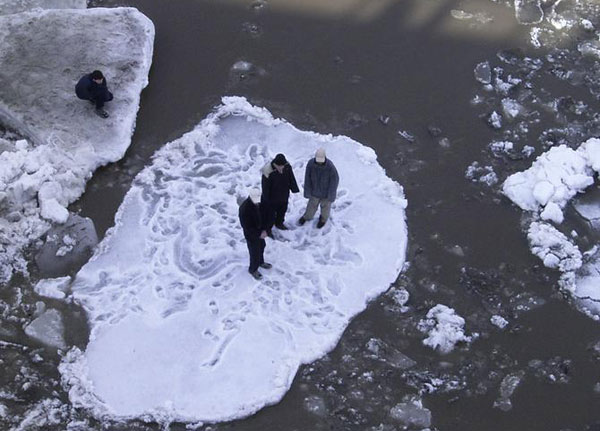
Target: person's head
[
  {"x": 320, "y": 156},
  {"x": 97, "y": 76},
  {"x": 279, "y": 162},
  {"x": 254, "y": 195}
]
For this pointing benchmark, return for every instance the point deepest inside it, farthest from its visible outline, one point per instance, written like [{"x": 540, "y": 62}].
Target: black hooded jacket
[
  {"x": 250, "y": 219},
  {"x": 276, "y": 186}
]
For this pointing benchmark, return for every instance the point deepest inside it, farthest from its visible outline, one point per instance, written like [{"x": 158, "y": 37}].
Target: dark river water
[{"x": 369, "y": 69}]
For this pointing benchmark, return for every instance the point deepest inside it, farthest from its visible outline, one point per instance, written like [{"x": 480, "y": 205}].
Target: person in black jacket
[
  {"x": 277, "y": 181},
  {"x": 93, "y": 87},
  {"x": 255, "y": 234}
]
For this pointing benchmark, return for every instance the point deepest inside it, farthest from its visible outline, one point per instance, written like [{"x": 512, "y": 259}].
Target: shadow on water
[{"x": 369, "y": 69}]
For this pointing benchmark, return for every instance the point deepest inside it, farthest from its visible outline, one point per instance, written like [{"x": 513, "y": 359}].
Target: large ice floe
[
  {"x": 545, "y": 189},
  {"x": 44, "y": 53},
  {"x": 179, "y": 330}
]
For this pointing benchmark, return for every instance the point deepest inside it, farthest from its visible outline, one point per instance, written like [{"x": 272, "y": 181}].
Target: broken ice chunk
[
  {"x": 499, "y": 321},
  {"x": 483, "y": 72},
  {"x": 553, "y": 213},
  {"x": 412, "y": 413},
  {"x": 507, "y": 388},
  {"x": 553, "y": 247},
  {"x": 53, "y": 287},
  {"x": 528, "y": 11},
  {"x": 48, "y": 329},
  {"x": 495, "y": 120}
]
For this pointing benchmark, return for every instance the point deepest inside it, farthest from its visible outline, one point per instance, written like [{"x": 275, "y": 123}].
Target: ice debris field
[
  {"x": 59, "y": 141},
  {"x": 178, "y": 327},
  {"x": 545, "y": 188}
]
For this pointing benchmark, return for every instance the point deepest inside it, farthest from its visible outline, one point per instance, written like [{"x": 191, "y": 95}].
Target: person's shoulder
[{"x": 267, "y": 169}]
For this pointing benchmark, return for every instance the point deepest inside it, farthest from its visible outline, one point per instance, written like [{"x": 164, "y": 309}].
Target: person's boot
[
  {"x": 321, "y": 223},
  {"x": 266, "y": 265},
  {"x": 256, "y": 275},
  {"x": 101, "y": 113},
  {"x": 301, "y": 221}
]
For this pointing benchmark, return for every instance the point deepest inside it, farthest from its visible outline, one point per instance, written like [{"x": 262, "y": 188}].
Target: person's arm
[
  {"x": 334, "y": 180},
  {"x": 307, "y": 185},
  {"x": 293, "y": 184}
]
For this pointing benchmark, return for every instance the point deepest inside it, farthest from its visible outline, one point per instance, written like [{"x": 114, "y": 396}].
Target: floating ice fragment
[
  {"x": 499, "y": 321},
  {"x": 553, "y": 247},
  {"x": 495, "y": 120},
  {"x": 389, "y": 355},
  {"x": 553, "y": 213},
  {"x": 507, "y": 387},
  {"x": 483, "y": 72},
  {"x": 48, "y": 329},
  {"x": 412, "y": 413},
  {"x": 528, "y": 11},
  {"x": 590, "y": 47},
  {"x": 445, "y": 328},
  {"x": 401, "y": 296},
  {"x": 53, "y": 287},
  {"x": 511, "y": 108},
  {"x": 315, "y": 405},
  {"x": 501, "y": 147},
  {"x": 587, "y": 24}
]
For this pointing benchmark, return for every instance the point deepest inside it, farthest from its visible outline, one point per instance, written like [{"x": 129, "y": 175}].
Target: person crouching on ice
[
  {"x": 93, "y": 87},
  {"x": 277, "y": 181},
  {"x": 255, "y": 234}
]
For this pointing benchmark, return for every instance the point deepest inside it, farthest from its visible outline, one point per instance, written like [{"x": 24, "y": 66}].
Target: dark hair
[
  {"x": 279, "y": 160},
  {"x": 96, "y": 74}
]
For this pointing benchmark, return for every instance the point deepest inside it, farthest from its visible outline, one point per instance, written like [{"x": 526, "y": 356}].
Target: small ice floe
[
  {"x": 316, "y": 405},
  {"x": 389, "y": 355},
  {"x": 409, "y": 137},
  {"x": 553, "y": 247},
  {"x": 499, "y": 321},
  {"x": 481, "y": 174},
  {"x": 48, "y": 329},
  {"x": 507, "y": 387},
  {"x": 411, "y": 413},
  {"x": 444, "y": 327},
  {"x": 483, "y": 72},
  {"x": 53, "y": 287},
  {"x": 511, "y": 108},
  {"x": 495, "y": 120},
  {"x": 528, "y": 11},
  {"x": 501, "y": 147}
]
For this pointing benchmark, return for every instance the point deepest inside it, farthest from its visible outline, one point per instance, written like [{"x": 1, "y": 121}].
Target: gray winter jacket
[{"x": 321, "y": 180}]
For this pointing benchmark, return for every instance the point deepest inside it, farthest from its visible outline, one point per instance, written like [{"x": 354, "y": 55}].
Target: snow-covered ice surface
[
  {"x": 15, "y": 6},
  {"x": 170, "y": 303},
  {"x": 46, "y": 52}
]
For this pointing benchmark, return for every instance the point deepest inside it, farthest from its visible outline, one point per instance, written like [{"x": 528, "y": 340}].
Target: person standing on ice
[
  {"x": 93, "y": 87},
  {"x": 254, "y": 232},
  {"x": 320, "y": 187},
  {"x": 278, "y": 181}
]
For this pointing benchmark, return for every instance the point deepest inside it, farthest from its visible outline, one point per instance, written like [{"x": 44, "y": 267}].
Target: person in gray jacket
[{"x": 320, "y": 187}]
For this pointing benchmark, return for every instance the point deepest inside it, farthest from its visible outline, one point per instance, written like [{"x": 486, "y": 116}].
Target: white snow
[
  {"x": 178, "y": 327},
  {"x": 444, "y": 327},
  {"x": 46, "y": 52},
  {"x": 555, "y": 176},
  {"x": 553, "y": 247}
]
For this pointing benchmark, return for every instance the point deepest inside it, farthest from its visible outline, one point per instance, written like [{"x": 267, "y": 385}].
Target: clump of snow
[
  {"x": 553, "y": 247},
  {"x": 495, "y": 120},
  {"x": 444, "y": 327},
  {"x": 555, "y": 176},
  {"x": 501, "y": 147},
  {"x": 499, "y": 321},
  {"x": 171, "y": 305},
  {"x": 481, "y": 174},
  {"x": 66, "y": 141}
]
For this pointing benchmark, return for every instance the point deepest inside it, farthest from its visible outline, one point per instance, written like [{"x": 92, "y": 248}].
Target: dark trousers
[
  {"x": 98, "y": 100},
  {"x": 256, "y": 248},
  {"x": 275, "y": 214}
]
